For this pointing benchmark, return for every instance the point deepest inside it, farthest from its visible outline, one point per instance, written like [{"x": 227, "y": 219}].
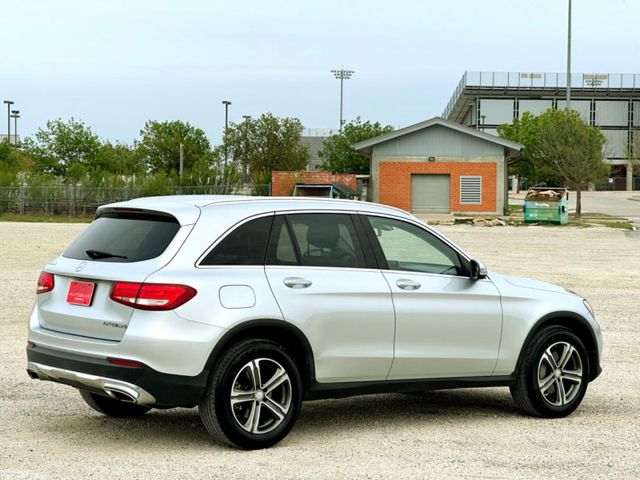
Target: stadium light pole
[
  {"x": 342, "y": 75},
  {"x": 569, "y": 59},
  {"x": 226, "y": 104},
  {"x": 9, "y": 103},
  {"x": 15, "y": 114}
]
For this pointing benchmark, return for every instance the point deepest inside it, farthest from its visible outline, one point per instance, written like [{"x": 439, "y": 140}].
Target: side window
[
  {"x": 246, "y": 245},
  {"x": 410, "y": 248},
  {"x": 326, "y": 240},
  {"x": 281, "y": 248}
]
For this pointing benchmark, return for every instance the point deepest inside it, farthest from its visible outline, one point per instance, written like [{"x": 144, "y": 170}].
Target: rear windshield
[{"x": 124, "y": 237}]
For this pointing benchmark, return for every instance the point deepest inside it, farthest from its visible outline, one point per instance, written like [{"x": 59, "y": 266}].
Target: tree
[
  {"x": 531, "y": 165},
  {"x": 337, "y": 154},
  {"x": 573, "y": 148},
  {"x": 260, "y": 146},
  {"x": 633, "y": 153},
  {"x": 119, "y": 159},
  {"x": 159, "y": 145},
  {"x": 62, "y": 145}
]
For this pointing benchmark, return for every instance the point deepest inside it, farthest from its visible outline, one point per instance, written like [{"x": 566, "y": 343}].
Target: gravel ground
[{"x": 47, "y": 432}]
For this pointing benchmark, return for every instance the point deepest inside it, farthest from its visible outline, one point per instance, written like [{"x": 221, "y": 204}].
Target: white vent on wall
[{"x": 471, "y": 190}]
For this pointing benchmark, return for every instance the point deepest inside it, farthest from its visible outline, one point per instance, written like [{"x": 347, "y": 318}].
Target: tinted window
[
  {"x": 124, "y": 238},
  {"x": 327, "y": 240},
  {"x": 408, "y": 247},
  {"x": 245, "y": 245}
]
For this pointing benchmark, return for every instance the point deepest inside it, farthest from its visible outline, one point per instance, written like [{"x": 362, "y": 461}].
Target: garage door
[{"x": 430, "y": 193}]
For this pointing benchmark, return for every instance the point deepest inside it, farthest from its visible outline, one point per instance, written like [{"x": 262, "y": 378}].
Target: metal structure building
[{"x": 486, "y": 100}]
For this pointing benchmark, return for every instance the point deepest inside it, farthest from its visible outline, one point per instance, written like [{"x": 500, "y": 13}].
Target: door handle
[
  {"x": 297, "y": 282},
  {"x": 406, "y": 284}
]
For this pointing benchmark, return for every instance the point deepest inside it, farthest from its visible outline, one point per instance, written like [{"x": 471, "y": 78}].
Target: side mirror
[{"x": 478, "y": 270}]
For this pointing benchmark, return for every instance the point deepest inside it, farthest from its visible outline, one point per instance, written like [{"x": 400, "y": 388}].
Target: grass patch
[
  {"x": 12, "y": 217},
  {"x": 514, "y": 208}
]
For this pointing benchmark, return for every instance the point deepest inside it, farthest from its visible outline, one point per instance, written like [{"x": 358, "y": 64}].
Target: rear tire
[
  {"x": 111, "y": 407},
  {"x": 553, "y": 375},
  {"x": 253, "y": 396}
]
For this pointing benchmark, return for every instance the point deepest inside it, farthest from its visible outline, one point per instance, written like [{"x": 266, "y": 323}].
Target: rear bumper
[{"x": 144, "y": 385}]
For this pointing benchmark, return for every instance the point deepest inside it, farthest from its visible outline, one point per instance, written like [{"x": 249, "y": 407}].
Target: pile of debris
[
  {"x": 482, "y": 221},
  {"x": 545, "y": 195}
]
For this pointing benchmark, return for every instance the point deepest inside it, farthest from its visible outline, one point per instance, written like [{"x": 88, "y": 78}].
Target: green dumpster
[{"x": 544, "y": 204}]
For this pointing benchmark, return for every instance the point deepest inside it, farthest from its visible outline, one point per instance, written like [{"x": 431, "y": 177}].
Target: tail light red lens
[
  {"x": 152, "y": 296},
  {"x": 45, "y": 282}
]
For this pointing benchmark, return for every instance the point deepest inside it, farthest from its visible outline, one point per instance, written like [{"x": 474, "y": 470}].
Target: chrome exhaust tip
[{"x": 121, "y": 393}]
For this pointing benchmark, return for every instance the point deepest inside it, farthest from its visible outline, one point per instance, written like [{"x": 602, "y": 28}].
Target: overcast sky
[{"x": 116, "y": 63}]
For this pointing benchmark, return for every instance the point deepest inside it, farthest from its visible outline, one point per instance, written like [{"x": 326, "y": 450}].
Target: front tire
[
  {"x": 111, "y": 407},
  {"x": 553, "y": 375},
  {"x": 253, "y": 397}
]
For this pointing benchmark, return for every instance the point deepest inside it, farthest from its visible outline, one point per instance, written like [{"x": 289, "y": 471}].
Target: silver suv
[{"x": 245, "y": 307}]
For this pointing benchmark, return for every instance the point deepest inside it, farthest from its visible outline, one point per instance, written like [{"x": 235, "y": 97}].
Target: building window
[{"x": 470, "y": 190}]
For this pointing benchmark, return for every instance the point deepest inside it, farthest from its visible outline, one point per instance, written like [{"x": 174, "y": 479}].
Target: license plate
[{"x": 80, "y": 293}]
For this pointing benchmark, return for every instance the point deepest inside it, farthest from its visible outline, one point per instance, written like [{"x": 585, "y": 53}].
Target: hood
[{"x": 529, "y": 283}]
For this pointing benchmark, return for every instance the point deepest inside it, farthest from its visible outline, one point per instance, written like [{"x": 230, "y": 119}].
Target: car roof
[{"x": 187, "y": 208}]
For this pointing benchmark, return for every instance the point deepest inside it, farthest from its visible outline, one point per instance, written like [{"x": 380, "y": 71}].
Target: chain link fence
[{"x": 76, "y": 200}]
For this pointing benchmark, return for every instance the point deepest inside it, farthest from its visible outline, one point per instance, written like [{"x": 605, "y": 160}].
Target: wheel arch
[
  {"x": 578, "y": 325},
  {"x": 279, "y": 331}
]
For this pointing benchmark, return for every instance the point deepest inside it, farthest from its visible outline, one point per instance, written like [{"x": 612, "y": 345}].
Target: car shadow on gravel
[
  {"x": 182, "y": 428},
  {"x": 407, "y": 408}
]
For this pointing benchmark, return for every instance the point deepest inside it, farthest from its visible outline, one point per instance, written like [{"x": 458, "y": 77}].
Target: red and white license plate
[{"x": 80, "y": 293}]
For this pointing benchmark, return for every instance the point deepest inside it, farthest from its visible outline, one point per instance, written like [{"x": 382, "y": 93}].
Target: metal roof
[{"x": 366, "y": 145}]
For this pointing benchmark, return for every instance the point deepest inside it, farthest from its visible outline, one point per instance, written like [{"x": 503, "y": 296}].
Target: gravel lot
[{"x": 46, "y": 431}]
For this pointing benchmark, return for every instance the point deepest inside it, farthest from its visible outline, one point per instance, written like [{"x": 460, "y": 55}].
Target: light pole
[
  {"x": 483, "y": 118},
  {"x": 226, "y": 104},
  {"x": 245, "y": 166},
  {"x": 9, "y": 103},
  {"x": 569, "y": 59},
  {"x": 15, "y": 114},
  {"x": 342, "y": 75}
]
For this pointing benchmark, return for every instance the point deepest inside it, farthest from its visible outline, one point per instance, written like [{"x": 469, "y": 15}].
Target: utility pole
[
  {"x": 9, "y": 103},
  {"x": 226, "y": 104},
  {"x": 15, "y": 114},
  {"x": 342, "y": 75},
  {"x": 569, "y": 59}
]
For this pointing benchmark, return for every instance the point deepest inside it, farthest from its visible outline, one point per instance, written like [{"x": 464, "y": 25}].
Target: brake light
[
  {"x": 45, "y": 282},
  {"x": 151, "y": 296}
]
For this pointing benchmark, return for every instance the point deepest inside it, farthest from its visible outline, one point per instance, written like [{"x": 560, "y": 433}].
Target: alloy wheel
[
  {"x": 560, "y": 374},
  {"x": 260, "y": 395}
]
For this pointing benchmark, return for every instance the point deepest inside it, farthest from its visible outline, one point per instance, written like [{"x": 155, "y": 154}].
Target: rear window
[{"x": 120, "y": 237}]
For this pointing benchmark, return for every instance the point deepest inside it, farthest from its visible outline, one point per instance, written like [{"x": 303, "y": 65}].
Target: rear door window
[
  {"x": 124, "y": 237},
  {"x": 326, "y": 240}
]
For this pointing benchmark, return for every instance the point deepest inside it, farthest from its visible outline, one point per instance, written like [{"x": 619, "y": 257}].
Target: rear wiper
[{"x": 98, "y": 255}]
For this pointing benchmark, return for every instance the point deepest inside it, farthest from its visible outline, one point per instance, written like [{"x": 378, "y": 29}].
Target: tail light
[
  {"x": 151, "y": 296},
  {"x": 45, "y": 282}
]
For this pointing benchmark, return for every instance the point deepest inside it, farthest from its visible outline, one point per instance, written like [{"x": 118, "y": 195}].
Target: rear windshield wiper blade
[{"x": 98, "y": 255}]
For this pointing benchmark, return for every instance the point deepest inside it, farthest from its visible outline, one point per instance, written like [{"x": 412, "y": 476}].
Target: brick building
[
  {"x": 283, "y": 183},
  {"x": 438, "y": 166}
]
